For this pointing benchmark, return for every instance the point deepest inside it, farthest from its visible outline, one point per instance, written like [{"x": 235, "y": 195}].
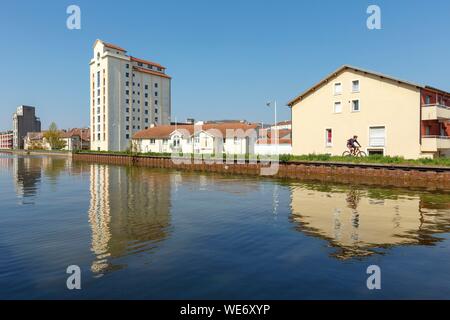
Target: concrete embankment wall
[
  {"x": 38, "y": 152},
  {"x": 395, "y": 176}
]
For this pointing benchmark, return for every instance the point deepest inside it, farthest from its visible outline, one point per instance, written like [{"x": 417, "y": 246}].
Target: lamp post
[{"x": 269, "y": 104}]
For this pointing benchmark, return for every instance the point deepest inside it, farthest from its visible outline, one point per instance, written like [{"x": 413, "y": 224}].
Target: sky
[{"x": 226, "y": 58}]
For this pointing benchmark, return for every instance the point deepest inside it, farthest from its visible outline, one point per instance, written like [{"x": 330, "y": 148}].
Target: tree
[{"x": 53, "y": 137}]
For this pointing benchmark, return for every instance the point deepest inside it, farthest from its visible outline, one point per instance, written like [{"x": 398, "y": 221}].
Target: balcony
[
  {"x": 435, "y": 143},
  {"x": 435, "y": 112}
]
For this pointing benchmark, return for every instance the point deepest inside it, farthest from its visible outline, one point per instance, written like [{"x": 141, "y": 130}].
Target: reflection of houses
[
  {"x": 27, "y": 175},
  {"x": 358, "y": 222},
  {"x": 201, "y": 138},
  {"x": 129, "y": 212}
]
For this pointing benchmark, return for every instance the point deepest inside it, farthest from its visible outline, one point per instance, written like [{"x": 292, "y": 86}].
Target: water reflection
[
  {"x": 129, "y": 213},
  {"x": 359, "y": 222}
]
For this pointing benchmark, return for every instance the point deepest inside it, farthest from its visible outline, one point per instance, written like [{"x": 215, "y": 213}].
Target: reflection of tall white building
[
  {"x": 356, "y": 222},
  {"x": 129, "y": 212}
]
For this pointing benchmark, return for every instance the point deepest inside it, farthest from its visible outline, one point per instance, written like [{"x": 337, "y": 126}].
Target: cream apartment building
[
  {"x": 390, "y": 116},
  {"x": 127, "y": 95}
]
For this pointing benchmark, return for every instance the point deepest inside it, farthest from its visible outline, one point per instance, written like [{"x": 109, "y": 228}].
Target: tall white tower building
[{"x": 127, "y": 95}]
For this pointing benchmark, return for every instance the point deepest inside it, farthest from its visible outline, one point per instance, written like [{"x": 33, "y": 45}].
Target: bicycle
[{"x": 356, "y": 152}]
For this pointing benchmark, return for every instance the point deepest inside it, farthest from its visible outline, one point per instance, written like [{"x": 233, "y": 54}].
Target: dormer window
[{"x": 98, "y": 56}]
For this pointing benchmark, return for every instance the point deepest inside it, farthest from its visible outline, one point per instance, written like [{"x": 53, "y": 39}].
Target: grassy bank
[{"x": 375, "y": 159}]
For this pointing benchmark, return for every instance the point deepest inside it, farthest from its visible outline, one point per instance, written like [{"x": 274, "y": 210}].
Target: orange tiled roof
[
  {"x": 113, "y": 46},
  {"x": 83, "y": 133},
  {"x": 164, "y": 131},
  {"x": 155, "y": 73},
  {"x": 146, "y": 62}
]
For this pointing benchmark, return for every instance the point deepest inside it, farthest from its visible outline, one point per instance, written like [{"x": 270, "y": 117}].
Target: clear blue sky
[{"x": 226, "y": 57}]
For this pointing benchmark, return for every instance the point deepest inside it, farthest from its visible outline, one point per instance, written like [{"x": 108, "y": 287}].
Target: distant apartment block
[
  {"x": 24, "y": 121},
  {"x": 390, "y": 116},
  {"x": 127, "y": 95},
  {"x": 6, "y": 140}
]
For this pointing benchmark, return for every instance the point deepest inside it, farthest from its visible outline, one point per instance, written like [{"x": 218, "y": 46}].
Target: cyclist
[{"x": 351, "y": 144}]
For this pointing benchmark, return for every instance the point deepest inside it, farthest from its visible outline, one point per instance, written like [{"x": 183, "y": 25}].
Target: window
[
  {"x": 127, "y": 92},
  {"x": 127, "y": 66},
  {"x": 355, "y": 86},
  {"x": 146, "y": 112},
  {"x": 156, "y": 85},
  {"x": 127, "y": 83},
  {"x": 156, "y": 110},
  {"x": 156, "y": 119},
  {"x": 156, "y": 101},
  {"x": 140, "y": 64},
  {"x": 146, "y": 103},
  {"x": 165, "y": 141},
  {"x": 428, "y": 100},
  {"x": 355, "y": 105},
  {"x": 146, "y": 87},
  {"x": 127, "y": 136},
  {"x": 127, "y": 101},
  {"x": 337, "y": 107},
  {"x": 337, "y": 88},
  {"x": 146, "y": 95},
  {"x": 127, "y": 119},
  {"x": 152, "y": 141},
  {"x": 127, "y": 110},
  {"x": 328, "y": 137},
  {"x": 377, "y": 136},
  {"x": 98, "y": 79},
  {"x": 127, "y": 75},
  {"x": 146, "y": 120}
]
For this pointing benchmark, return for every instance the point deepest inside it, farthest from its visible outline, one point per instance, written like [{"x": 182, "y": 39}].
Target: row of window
[
  {"x": 127, "y": 92},
  {"x": 337, "y": 108},
  {"x": 127, "y": 83},
  {"x": 338, "y": 87},
  {"x": 149, "y": 66}
]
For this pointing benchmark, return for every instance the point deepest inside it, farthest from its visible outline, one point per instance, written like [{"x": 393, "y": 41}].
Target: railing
[
  {"x": 435, "y": 112},
  {"x": 437, "y": 137}
]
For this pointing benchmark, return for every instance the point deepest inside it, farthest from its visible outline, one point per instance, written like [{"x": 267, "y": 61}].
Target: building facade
[
  {"x": 127, "y": 95},
  {"x": 390, "y": 116},
  {"x": 6, "y": 140},
  {"x": 214, "y": 138},
  {"x": 24, "y": 121},
  {"x": 76, "y": 139}
]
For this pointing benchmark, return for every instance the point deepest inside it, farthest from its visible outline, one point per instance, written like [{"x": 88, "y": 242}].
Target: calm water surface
[{"x": 146, "y": 233}]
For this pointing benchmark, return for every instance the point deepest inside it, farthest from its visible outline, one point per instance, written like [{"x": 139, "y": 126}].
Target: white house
[{"x": 199, "y": 138}]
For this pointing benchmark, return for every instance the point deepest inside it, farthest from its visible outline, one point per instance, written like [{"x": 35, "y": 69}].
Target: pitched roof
[
  {"x": 146, "y": 62},
  {"x": 113, "y": 46},
  {"x": 155, "y": 73},
  {"x": 165, "y": 131},
  {"x": 348, "y": 67},
  {"x": 83, "y": 133}
]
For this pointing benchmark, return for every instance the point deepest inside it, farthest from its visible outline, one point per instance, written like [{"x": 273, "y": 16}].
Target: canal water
[{"x": 151, "y": 234}]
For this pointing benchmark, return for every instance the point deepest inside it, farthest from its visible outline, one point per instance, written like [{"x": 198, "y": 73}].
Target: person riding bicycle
[{"x": 351, "y": 144}]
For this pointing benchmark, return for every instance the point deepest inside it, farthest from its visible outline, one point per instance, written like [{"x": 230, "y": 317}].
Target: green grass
[{"x": 374, "y": 159}]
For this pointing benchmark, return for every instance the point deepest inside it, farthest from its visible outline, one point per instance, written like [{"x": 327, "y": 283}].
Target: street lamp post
[{"x": 269, "y": 104}]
